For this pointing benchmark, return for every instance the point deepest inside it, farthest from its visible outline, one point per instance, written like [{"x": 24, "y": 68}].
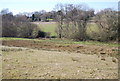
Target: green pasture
[{"x": 50, "y": 27}]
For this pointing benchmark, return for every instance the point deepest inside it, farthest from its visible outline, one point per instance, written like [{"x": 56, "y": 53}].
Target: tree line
[
  {"x": 19, "y": 26},
  {"x": 72, "y": 20}
]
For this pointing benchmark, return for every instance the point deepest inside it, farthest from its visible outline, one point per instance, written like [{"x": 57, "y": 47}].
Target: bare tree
[
  {"x": 72, "y": 20},
  {"x": 108, "y": 23},
  {"x": 8, "y": 28},
  {"x": 59, "y": 19},
  {"x": 17, "y": 26}
]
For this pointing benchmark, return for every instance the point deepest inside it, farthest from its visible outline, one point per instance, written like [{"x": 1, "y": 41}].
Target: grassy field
[{"x": 49, "y": 27}]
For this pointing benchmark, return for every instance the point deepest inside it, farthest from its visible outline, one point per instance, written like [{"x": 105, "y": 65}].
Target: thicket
[{"x": 18, "y": 26}]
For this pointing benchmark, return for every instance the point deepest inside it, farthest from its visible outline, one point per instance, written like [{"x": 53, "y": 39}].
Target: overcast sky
[{"x": 17, "y": 6}]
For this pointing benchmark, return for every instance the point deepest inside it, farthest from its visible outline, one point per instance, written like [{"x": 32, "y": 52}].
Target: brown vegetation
[{"x": 78, "y": 48}]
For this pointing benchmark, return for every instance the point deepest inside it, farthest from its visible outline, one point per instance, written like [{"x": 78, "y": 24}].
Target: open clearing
[
  {"x": 26, "y": 59},
  {"x": 47, "y": 27}
]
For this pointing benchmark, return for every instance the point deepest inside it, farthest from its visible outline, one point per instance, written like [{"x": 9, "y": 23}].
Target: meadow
[{"x": 48, "y": 27}]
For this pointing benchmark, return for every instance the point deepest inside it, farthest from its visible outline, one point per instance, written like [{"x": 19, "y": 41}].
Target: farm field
[
  {"x": 47, "y": 27},
  {"x": 58, "y": 59}
]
